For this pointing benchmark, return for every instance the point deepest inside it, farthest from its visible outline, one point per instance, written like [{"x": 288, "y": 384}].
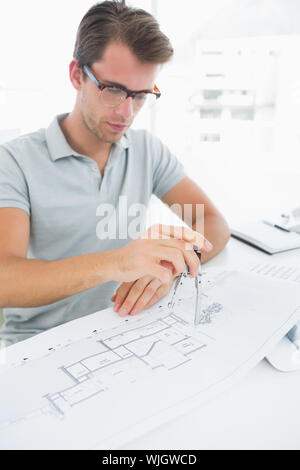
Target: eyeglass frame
[{"x": 129, "y": 93}]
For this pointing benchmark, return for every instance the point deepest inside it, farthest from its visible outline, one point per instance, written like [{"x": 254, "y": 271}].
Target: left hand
[{"x": 133, "y": 297}]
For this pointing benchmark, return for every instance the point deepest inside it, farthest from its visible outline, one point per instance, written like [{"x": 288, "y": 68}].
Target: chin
[
  {"x": 114, "y": 135},
  {"x": 111, "y": 139}
]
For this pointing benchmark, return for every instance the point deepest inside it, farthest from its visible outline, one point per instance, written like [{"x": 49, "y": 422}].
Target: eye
[
  {"x": 140, "y": 96},
  {"x": 115, "y": 91}
]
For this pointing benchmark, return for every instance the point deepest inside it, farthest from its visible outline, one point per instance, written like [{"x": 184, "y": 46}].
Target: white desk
[{"x": 260, "y": 412}]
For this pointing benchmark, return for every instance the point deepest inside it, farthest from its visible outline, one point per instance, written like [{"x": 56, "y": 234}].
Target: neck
[{"x": 81, "y": 139}]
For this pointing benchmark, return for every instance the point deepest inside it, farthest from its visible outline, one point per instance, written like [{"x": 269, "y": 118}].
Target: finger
[
  {"x": 121, "y": 294},
  {"x": 180, "y": 245},
  {"x": 113, "y": 298},
  {"x": 159, "y": 294},
  {"x": 170, "y": 266},
  {"x": 192, "y": 261},
  {"x": 149, "y": 292},
  {"x": 156, "y": 270},
  {"x": 195, "y": 238},
  {"x": 133, "y": 295},
  {"x": 172, "y": 243},
  {"x": 173, "y": 255},
  {"x": 179, "y": 257},
  {"x": 160, "y": 231}
]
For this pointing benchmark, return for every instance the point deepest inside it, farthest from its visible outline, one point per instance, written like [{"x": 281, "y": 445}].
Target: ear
[{"x": 76, "y": 74}]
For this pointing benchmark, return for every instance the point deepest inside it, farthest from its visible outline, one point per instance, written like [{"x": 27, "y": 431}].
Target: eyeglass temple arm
[{"x": 91, "y": 75}]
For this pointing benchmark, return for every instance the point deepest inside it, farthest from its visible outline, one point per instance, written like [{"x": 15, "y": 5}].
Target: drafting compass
[{"x": 198, "y": 286}]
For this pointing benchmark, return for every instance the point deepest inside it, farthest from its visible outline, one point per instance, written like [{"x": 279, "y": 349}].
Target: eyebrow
[{"x": 123, "y": 87}]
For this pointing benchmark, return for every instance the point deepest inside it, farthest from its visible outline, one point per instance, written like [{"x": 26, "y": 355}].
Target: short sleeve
[
  {"x": 167, "y": 170},
  {"x": 13, "y": 186}
]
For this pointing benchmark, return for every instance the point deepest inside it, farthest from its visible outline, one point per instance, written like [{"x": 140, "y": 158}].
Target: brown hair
[{"x": 112, "y": 20}]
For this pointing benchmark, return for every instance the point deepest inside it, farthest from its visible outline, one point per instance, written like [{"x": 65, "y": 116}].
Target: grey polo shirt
[{"x": 66, "y": 198}]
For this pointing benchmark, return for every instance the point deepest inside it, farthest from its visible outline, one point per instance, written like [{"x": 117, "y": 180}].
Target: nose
[{"x": 126, "y": 108}]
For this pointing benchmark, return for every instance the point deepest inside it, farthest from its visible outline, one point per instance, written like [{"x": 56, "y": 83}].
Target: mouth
[{"x": 117, "y": 127}]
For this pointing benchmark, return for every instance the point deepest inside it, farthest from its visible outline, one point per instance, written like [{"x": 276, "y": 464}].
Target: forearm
[
  {"x": 32, "y": 283},
  {"x": 216, "y": 230}
]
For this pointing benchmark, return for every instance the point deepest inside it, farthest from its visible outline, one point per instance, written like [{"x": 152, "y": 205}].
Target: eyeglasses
[{"x": 113, "y": 95}]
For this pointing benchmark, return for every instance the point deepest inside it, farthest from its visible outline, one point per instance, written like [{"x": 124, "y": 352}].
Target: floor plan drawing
[
  {"x": 125, "y": 357},
  {"x": 114, "y": 378}
]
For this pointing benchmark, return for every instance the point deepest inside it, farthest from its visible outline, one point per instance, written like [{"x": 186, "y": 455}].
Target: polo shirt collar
[
  {"x": 58, "y": 145},
  {"x": 124, "y": 141},
  {"x": 56, "y": 141}
]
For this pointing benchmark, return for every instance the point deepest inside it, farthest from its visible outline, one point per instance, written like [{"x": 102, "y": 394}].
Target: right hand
[{"x": 158, "y": 246}]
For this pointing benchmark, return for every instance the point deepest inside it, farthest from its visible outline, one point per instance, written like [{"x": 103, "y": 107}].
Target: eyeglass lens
[{"x": 112, "y": 96}]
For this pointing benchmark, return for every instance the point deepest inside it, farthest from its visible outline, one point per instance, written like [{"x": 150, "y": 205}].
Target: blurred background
[{"x": 230, "y": 97}]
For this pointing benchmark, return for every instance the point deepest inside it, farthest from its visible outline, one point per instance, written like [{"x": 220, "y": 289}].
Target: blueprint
[
  {"x": 277, "y": 271},
  {"x": 102, "y": 380}
]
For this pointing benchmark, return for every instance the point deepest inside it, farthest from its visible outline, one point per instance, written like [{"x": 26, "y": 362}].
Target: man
[{"x": 56, "y": 184}]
